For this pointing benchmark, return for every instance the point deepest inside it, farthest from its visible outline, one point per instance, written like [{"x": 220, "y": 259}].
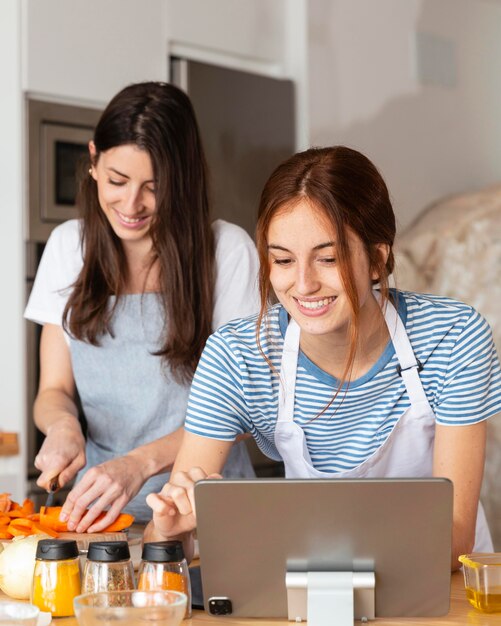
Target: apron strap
[
  {"x": 409, "y": 366},
  {"x": 288, "y": 368}
]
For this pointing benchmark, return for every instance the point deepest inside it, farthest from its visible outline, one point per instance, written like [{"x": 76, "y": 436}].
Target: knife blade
[{"x": 53, "y": 488}]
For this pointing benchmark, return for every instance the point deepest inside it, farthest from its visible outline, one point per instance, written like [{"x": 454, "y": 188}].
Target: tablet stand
[{"x": 317, "y": 597}]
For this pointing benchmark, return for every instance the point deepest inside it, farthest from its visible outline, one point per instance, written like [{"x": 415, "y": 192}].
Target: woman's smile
[
  {"x": 314, "y": 307},
  {"x": 131, "y": 222}
]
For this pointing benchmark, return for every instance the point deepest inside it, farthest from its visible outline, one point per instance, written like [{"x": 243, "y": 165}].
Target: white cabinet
[{"x": 86, "y": 51}]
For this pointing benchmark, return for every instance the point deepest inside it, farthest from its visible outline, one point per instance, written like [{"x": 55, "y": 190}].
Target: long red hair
[{"x": 351, "y": 193}]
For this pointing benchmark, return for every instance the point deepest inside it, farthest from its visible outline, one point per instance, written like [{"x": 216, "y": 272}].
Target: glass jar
[
  {"x": 56, "y": 578},
  {"x": 163, "y": 566},
  {"x": 108, "y": 567}
]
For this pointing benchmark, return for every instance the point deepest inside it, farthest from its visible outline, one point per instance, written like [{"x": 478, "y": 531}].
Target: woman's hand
[
  {"x": 111, "y": 484},
  {"x": 62, "y": 453},
  {"x": 174, "y": 513}
]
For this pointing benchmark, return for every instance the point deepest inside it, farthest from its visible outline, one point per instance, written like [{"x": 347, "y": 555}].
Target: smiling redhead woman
[
  {"x": 127, "y": 297},
  {"x": 344, "y": 377}
]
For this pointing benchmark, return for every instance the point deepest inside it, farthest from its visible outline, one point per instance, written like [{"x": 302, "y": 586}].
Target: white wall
[
  {"x": 86, "y": 51},
  {"x": 12, "y": 350},
  {"x": 428, "y": 140}
]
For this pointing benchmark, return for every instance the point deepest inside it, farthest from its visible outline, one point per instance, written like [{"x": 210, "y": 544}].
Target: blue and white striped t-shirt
[{"x": 234, "y": 390}]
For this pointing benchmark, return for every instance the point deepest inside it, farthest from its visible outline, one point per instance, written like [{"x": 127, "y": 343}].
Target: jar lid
[
  {"x": 56, "y": 549},
  {"x": 108, "y": 551},
  {"x": 163, "y": 551}
]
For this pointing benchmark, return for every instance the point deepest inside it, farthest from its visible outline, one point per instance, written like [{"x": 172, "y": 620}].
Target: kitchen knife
[{"x": 53, "y": 487}]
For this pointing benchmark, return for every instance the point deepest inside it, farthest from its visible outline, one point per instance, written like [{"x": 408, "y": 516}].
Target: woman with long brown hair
[
  {"x": 127, "y": 297},
  {"x": 345, "y": 376}
]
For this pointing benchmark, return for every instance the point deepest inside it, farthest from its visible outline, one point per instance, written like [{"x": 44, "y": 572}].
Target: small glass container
[
  {"x": 130, "y": 608},
  {"x": 18, "y": 614},
  {"x": 108, "y": 567},
  {"x": 163, "y": 566},
  {"x": 56, "y": 578},
  {"x": 482, "y": 580}
]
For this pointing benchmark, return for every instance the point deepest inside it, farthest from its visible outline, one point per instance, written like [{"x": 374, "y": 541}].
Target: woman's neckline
[{"x": 137, "y": 294}]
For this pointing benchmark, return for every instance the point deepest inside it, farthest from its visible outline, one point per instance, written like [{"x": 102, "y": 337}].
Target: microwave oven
[{"x": 58, "y": 137}]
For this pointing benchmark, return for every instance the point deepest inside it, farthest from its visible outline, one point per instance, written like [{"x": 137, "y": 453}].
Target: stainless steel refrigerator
[{"x": 247, "y": 126}]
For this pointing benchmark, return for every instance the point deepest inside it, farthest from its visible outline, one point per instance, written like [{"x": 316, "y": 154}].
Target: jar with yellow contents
[
  {"x": 163, "y": 566},
  {"x": 56, "y": 578}
]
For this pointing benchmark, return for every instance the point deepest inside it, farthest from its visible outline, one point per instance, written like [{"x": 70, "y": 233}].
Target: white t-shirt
[{"x": 236, "y": 291}]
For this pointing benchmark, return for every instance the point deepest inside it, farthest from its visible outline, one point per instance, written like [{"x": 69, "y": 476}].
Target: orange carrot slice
[
  {"x": 49, "y": 516},
  {"x": 20, "y": 527},
  {"x": 39, "y": 528},
  {"x": 5, "y": 502},
  {"x": 124, "y": 520}
]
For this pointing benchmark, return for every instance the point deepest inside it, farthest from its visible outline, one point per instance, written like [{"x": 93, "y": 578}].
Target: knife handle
[{"x": 54, "y": 484}]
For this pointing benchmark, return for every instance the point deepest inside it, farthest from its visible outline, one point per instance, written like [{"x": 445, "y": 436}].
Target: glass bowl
[
  {"x": 133, "y": 608},
  {"x": 482, "y": 580},
  {"x": 18, "y": 613}
]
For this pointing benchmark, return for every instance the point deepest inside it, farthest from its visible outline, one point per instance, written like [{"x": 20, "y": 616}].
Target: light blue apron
[{"x": 129, "y": 397}]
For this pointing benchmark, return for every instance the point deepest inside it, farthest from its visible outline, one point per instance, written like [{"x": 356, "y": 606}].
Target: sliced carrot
[
  {"x": 17, "y": 513},
  {"x": 17, "y": 529},
  {"x": 49, "y": 516},
  {"x": 28, "y": 507},
  {"x": 22, "y": 523},
  {"x": 19, "y": 520},
  {"x": 124, "y": 520},
  {"x": 39, "y": 528},
  {"x": 53, "y": 511},
  {"x": 5, "y": 502},
  {"x": 17, "y": 532}
]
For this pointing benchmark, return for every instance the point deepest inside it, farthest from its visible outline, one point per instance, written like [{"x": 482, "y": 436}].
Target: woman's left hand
[{"x": 111, "y": 484}]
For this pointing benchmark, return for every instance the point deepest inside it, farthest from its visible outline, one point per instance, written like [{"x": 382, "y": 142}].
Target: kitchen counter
[{"x": 461, "y": 613}]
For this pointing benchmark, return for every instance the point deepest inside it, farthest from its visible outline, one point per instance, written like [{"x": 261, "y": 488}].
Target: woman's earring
[{"x": 90, "y": 171}]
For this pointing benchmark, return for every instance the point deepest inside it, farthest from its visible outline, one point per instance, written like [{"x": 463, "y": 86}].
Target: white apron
[{"x": 408, "y": 450}]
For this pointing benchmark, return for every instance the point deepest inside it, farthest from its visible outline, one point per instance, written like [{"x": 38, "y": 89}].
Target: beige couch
[{"x": 454, "y": 249}]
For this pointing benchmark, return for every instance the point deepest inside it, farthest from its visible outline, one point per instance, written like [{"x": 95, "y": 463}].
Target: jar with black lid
[
  {"x": 164, "y": 566},
  {"x": 108, "y": 567},
  {"x": 56, "y": 577}
]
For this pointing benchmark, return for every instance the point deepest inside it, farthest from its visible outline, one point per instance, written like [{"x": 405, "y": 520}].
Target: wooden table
[{"x": 461, "y": 613}]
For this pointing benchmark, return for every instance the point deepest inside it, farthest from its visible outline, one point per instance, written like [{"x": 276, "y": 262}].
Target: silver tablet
[{"x": 254, "y": 533}]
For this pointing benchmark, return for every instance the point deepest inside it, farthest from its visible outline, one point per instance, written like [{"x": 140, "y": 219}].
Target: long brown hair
[
  {"x": 348, "y": 189},
  {"x": 158, "y": 118}
]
